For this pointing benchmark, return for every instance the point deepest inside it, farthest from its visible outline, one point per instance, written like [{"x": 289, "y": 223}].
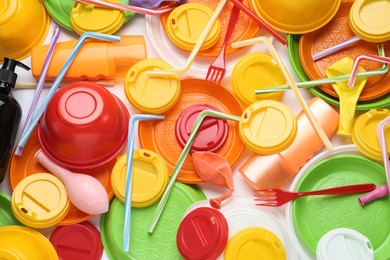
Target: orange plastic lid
[
  {"x": 336, "y": 31},
  {"x": 25, "y": 165},
  {"x": 160, "y": 136},
  {"x": 245, "y": 28},
  {"x": 186, "y": 23}
]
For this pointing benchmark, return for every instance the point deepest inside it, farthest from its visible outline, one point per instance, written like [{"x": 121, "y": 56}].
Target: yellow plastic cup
[{"x": 23, "y": 25}]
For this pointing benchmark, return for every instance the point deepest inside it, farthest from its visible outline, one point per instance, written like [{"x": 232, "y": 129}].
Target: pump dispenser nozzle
[{"x": 7, "y": 73}]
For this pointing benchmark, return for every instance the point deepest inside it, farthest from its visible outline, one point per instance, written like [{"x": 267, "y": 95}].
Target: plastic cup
[
  {"x": 84, "y": 126},
  {"x": 23, "y": 25}
]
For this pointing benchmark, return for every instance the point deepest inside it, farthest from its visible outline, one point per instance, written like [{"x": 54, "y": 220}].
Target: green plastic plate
[
  {"x": 159, "y": 245},
  {"x": 314, "y": 216},
  {"x": 7, "y": 218},
  {"x": 293, "y": 54}
]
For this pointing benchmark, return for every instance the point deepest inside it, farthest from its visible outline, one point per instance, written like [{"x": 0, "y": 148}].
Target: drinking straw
[
  {"x": 317, "y": 127},
  {"x": 308, "y": 84},
  {"x": 352, "y": 79},
  {"x": 197, "y": 46},
  {"x": 130, "y": 8},
  {"x": 260, "y": 22},
  {"x": 42, "y": 77},
  {"x": 381, "y": 190},
  {"x": 28, "y": 85},
  {"x": 335, "y": 48},
  {"x": 165, "y": 197},
  {"x": 129, "y": 170},
  {"x": 57, "y": 81}
]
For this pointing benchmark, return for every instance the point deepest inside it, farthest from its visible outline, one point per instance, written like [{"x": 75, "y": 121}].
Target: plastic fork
[
  {"x": 278, "y": 197},
  {"x": 217, "y": 69}
]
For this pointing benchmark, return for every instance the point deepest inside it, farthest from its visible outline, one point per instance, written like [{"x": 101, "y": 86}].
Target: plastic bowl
[
  {"x": 23, "y": 25},
  {"x": 296, "y": 17},
  {"x": 84, "y": 126}
]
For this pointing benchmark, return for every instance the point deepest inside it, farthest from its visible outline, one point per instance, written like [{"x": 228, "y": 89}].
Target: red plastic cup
[{"x": 84, "y": 126}]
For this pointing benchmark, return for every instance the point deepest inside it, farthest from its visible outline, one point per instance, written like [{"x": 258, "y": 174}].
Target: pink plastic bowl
[{"x": 84, "y": 126}]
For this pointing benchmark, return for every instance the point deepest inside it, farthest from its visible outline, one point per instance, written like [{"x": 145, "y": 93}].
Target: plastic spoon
[
  {"x": 130, "y": 8},
  {"x": 165, "y": 197},
  {"x": 383, "y": 189},
  {"x": 84, "y": 191},
  {"x": 313, "y": 121},
  {"x": 348, "y": 96},
  {"x": 197, "y": 46}
]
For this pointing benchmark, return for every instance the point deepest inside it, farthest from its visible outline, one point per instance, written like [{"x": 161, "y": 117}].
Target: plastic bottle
[
  {"x": 96, "y": 60},
  {"x": 10, "y": 112},
  {"x": 275, "y": 170}
]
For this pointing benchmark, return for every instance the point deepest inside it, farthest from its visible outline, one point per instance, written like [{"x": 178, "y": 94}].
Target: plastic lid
[
  {"x": 25, "y": 243},
  {"x": 90, "y": 18},
  {"x": 256, "y": 71},
  {"x": 78, "y": 241},
  {"x": 186, "y": 23},
  {"x": 150, "y": 177},
  {"x": 268, "y": 127},
  {"x": 364, "y": 132},
  {"x": 40, "y": 200},
  {"x": 212, "y": 133},
  {"x": 254, "y": 243},
  {"x": 151, "y": 94},
  {"x": 369, "y": 19},
  {"x": 202, "y": 234},
  {"x": 344, "y": 243}
]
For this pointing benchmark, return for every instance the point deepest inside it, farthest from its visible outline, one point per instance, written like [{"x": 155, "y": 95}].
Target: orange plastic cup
[
  {"x": 273, "y": 171},
  {"x": 96, "y": 60}
]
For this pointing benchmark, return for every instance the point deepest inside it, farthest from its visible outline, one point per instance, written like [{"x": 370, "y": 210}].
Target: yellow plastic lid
[
  {"x": 148, "y": 93},
  {"x": 91, "y": 18},
  {"x": 150, "y": 177},
  {"x": 268, "y": 127},
  {"x": 18, "y": 242},
  {"x": 364, "y": 133},
  {"x": 40, "y": 200},
  {"x": 256, "y": 71},
  {"x": 254, "y": 243},
  {"x": 370, "y": 20},
  {"x": 186, "y": 22}
]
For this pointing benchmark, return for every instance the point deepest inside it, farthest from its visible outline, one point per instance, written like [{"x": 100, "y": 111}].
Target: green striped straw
[{"x": 165, "y": 197}]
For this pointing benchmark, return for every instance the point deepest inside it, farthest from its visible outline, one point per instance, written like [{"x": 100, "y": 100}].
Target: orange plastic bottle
[
  {"x": 275, "y": 170},
  {"x": 96, "y": 60}
]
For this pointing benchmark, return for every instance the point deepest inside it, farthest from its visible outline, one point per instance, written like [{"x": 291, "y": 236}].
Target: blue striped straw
[
  {"x": 129, "y": 170},
  {"x": 57, "y": 82}
]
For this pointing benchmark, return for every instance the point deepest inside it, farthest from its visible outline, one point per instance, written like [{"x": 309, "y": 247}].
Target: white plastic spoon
[{"x": 84, "y": 191}]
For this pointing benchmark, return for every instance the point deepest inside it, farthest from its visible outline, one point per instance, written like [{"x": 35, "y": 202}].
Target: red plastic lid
[
  {"x": 202, "y": 234},
  {"x": 78, "y": 241},
  {"x": 212, "y": 134}
]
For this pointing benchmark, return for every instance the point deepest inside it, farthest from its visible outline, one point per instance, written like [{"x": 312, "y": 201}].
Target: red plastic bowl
[{"x": 84, "y": 126}]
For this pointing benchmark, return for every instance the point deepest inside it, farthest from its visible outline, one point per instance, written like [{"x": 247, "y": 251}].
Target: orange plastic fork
[
  {"x": 278, "y": 197},
  {"x": 217, "y": 69}
]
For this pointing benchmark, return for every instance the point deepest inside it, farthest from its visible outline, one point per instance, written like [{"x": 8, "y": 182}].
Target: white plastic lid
[{"x": 344, "y": 244}]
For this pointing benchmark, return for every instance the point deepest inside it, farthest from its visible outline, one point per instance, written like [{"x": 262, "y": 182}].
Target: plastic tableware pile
[{"x": 175, "y": 192}]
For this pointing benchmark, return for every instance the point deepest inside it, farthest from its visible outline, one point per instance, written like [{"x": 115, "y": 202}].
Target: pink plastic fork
[
  {"x": 278, "y": 197},
  {"x": 217, "y": 69}
]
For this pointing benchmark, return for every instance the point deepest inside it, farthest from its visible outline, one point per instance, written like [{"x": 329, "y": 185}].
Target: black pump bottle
[{"x": 10, "y": 112}]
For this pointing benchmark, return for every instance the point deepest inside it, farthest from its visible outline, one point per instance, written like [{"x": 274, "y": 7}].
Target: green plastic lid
[
  {"x": 7, "y": 218},
  {"x": 314, "y": 216},
  {"x": 160, "y": 245},
  {"x": 60, "y": 11},
  {"x": 293, "y": 54}
]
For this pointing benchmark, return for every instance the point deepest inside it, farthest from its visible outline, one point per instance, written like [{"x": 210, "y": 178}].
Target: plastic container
[
  {"x": 272, "y": 171},
  {"x": 96, "y": 60},
  {"x": 84, "y": 126},
  {"x": 10, "y": 112},
  {"x": 23, "y": 25},
  {"x": 344, "y": 243}
]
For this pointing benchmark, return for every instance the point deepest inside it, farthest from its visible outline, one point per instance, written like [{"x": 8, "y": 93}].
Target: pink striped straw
[
  {"x": 352, "y": 79},
  {"x": 130, "y": 8}
]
